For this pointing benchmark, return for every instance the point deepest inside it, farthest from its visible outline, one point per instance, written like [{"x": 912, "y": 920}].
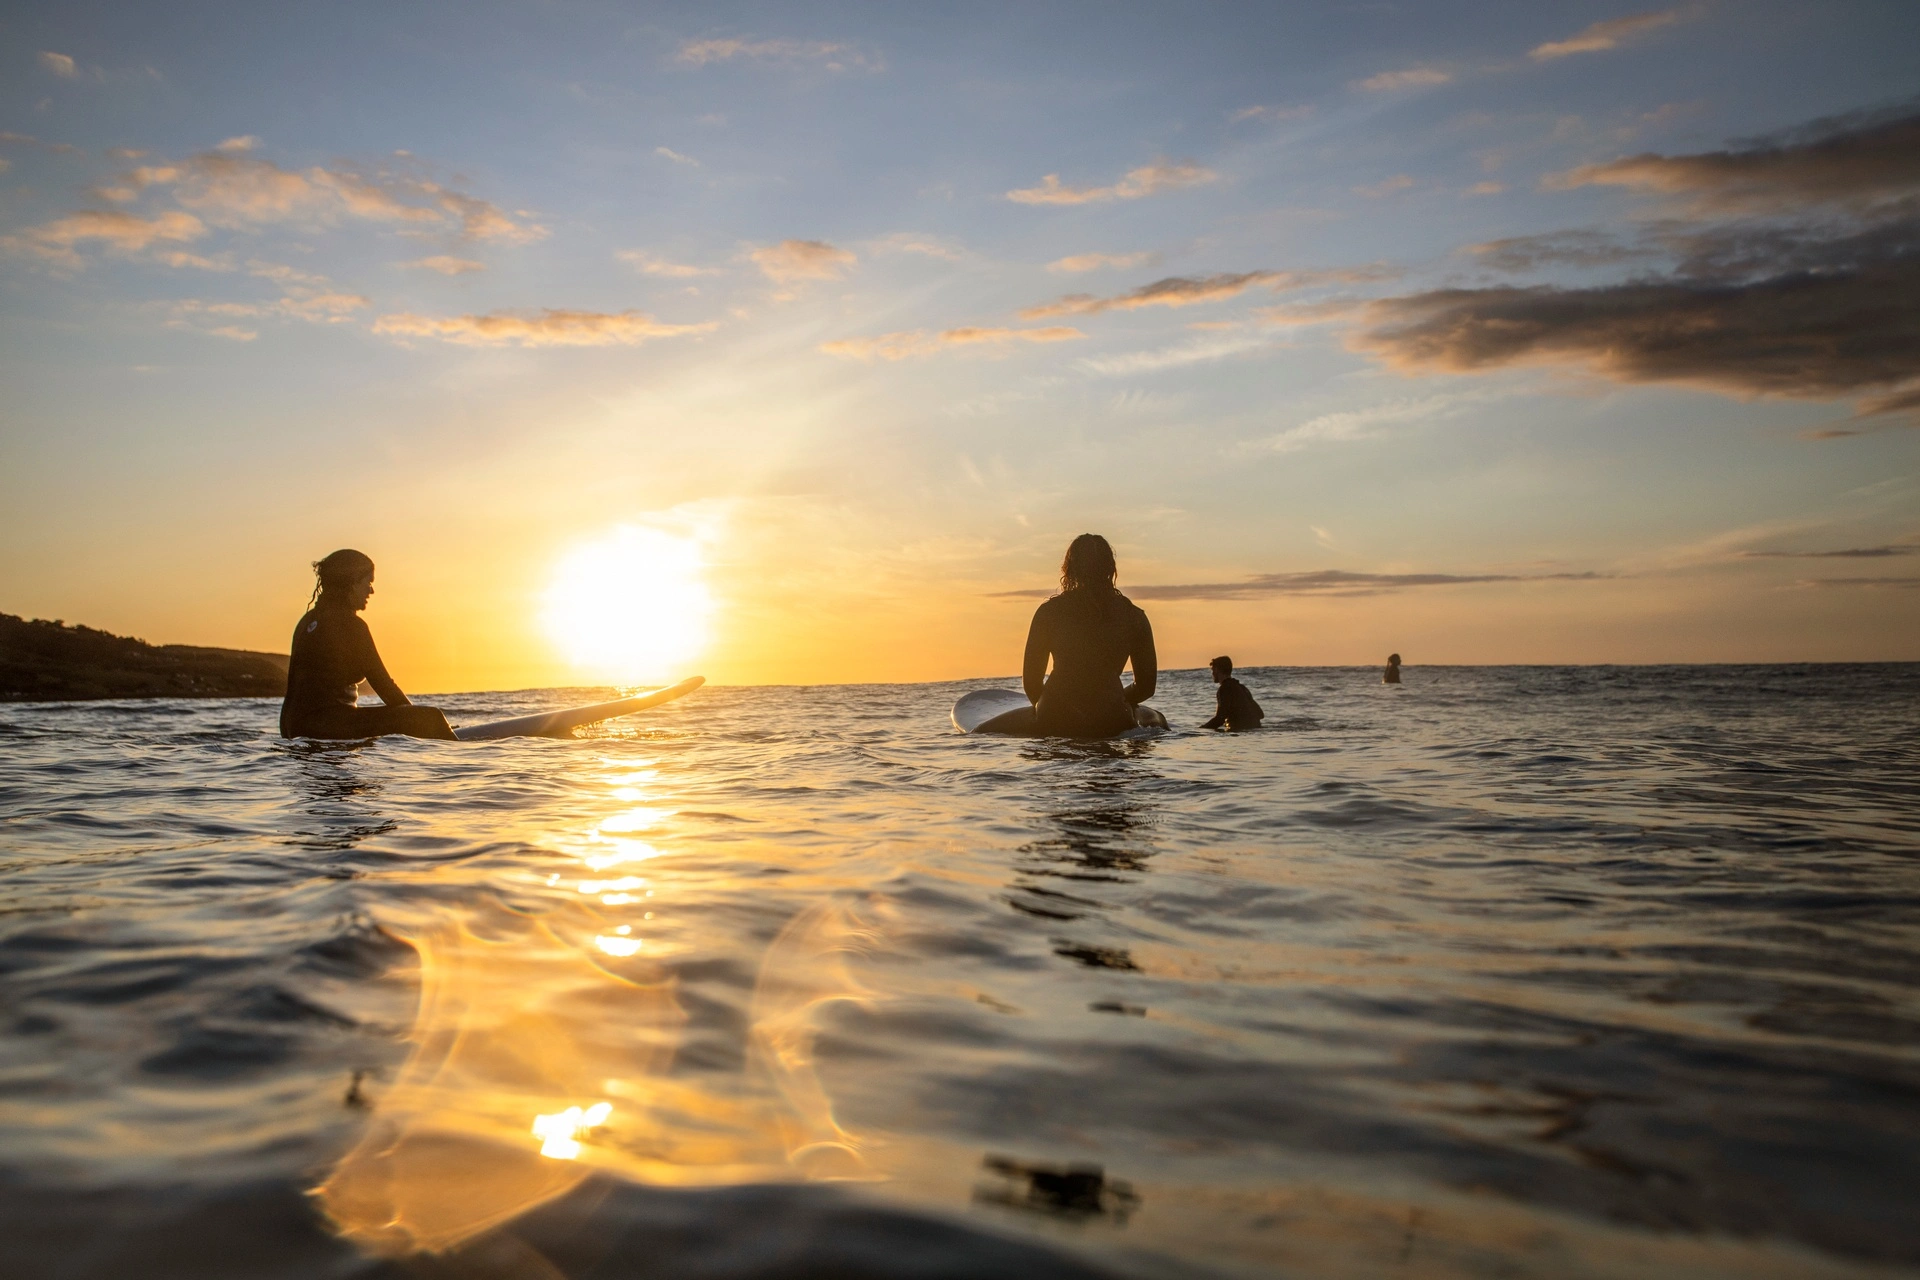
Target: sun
[{"x": 630, "y": 606}]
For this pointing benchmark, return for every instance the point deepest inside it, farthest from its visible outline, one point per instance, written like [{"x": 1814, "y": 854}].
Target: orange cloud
[
  {"x": 1094, "y": 261},
  {"x": 60, "y": 64},
  {"x": 544, "y": 328},
  {"x": 792, "y": 260},
  {"x": 918, "y": 342},
  {"x": 835, "y": 57},
  {"x": 447, "y": 265},
  {"x": 119, "y": 232},
  {"x": 1413, "y": 78},
  {"x": 1604, "y": 36},
  {"x": 1147, "y": 180},
  {"x": 1184, "y": 291},
  {"x": 649, "y": 264}
]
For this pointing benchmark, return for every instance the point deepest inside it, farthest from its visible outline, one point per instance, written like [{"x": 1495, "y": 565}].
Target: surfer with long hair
[
  {"x": 333, "y": 652},
  {"x": 1091, "y": 632}
]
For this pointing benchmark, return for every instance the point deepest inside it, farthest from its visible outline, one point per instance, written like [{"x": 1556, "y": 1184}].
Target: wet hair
[
  {"x": 1089, "y": 563},
  {"x": 1393, "y": 659},
  {"x": 339, "y": 571},
  {"x": 1222, "y": 664}
]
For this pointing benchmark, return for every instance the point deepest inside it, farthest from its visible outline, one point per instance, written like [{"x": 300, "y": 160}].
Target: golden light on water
[{"x": 630, "y": 606}]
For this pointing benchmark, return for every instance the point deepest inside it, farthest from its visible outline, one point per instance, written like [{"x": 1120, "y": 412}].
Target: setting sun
[{"x": 629, "y": 606}]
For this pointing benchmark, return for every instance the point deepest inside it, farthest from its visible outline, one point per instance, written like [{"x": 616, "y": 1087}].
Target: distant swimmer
[
  {"x": 1392, "y": 675},
  {"x": 1234, "y": 706},
  {"x": 1091, "y": 632},
  {"x": 333, "y": 652}
]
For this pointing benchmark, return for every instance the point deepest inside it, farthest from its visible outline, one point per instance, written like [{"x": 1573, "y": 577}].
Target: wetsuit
[
  {"x": 1234, "y": 707},
  {"x": 332, "y": 653},
  {"x": 1091, "y": 635}
]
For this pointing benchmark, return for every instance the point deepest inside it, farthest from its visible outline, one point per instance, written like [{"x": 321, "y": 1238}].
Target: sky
[{"x": 1479, "y": 332}]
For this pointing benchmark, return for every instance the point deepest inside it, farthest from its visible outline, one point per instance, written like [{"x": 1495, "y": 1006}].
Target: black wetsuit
[
  {"x": 332, "y": 653},
  {"x": 1234, "y": 707},
  {"x": 1091, "y": 635}
]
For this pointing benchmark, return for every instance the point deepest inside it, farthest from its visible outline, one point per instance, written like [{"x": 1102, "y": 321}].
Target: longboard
[
  {"x": 1008, "y": 711},
  {"x": 558, "y": 724}
]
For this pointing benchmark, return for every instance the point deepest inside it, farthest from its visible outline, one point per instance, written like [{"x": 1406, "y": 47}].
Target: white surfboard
[
  {"x": 982, "y": 711},
  {"x": 559, "y": 724}
]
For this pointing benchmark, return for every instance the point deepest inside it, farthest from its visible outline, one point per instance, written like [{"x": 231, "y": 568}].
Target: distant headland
[{"x": 52, "y": 662}]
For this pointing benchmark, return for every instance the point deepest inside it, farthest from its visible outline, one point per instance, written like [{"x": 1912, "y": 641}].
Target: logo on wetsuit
[{"x": 313, "y": 626}]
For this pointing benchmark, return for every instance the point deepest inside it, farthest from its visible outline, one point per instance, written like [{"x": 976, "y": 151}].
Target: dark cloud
[
  {"x": 1798, "y": 275},
  {"x": 1807, "y": 334},
  {"x": 1319, "y": 582},
  {"x": 1850, "y": 553},
  {"x": 1860, "y": 160}
]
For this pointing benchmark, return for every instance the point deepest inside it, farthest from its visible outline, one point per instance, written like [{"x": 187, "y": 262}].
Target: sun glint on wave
[{"x": 631, "y": 606}]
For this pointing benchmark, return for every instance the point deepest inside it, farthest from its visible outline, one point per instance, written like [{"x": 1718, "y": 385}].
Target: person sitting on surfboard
[
  {"x": 1091, "y": 632},
  {"x": 333, "y": 652},
  {"x": 1235, "y": 707}
]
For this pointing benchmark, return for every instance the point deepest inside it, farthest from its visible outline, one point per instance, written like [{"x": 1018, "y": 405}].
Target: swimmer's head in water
[
  {"x": 1223, "y": 665},
  {"x": 1393, "y": 659},
  {"x": 1088, "y": 563},
  {"x": 338, "y": 576}
]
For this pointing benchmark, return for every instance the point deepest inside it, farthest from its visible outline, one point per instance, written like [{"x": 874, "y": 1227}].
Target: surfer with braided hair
[
  {"x": 1091, "y": 632},
  {"x": 333, "y": 652}
]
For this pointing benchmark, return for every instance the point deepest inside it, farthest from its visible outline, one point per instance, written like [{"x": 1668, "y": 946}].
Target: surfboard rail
[{"x": 562, "y": 723}]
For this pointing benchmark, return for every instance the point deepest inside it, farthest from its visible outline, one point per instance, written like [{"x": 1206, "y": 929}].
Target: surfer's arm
[
  {"x": 377, "y": 673},
  {"x": 1146, "y": 665},
  {"x": 1219, "y": 709},
  {"x": 1033, "y": 669}
]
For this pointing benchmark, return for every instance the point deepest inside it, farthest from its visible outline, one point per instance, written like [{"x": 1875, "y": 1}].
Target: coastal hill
[{"x": 52, "y": 662}]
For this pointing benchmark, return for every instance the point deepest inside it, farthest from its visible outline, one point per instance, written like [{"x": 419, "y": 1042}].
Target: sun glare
[{"x": 631, "y": 606}]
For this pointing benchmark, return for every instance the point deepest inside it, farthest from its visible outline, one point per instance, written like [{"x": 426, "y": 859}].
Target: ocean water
[{"x": 1556, "y": 972}]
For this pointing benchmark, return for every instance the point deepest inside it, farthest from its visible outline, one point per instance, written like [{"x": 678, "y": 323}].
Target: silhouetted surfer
[
  {"x": 1235, "y": 707},
  {"x": 333, "y": 652},
  {"x": 1091, "y": 632},
  {"x": 1392, "y": 674}
]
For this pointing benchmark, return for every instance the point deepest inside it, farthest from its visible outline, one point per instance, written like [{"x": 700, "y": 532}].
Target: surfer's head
[
  {"x": 345, "y": 577},
  {"x": 1393, "y": 659},
  {"x": 1088, "y": 563},
  {"x": 1222, "y": 667}
]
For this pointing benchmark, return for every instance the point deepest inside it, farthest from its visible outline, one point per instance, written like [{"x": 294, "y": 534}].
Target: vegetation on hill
[{"x": 52, "y": 662}]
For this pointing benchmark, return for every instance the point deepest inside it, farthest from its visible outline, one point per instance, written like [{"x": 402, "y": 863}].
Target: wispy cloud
[
  {"x": 1147, "y": 180},
  {"x": 243, "y": 142},
  {"x": 60, "y": 64},
  {"x": 1202, "y": 350},
  {"x": 1183, "y": 291},
  {"x": 544, "y": 328},
  {"x": 832, "y": 55},
  {"x": 1412, "y": 78},
  {"x": 1097, "y": 261},
  {"x": 447, "y": 265},
  {"x": 116, "y": 231},
  {"x": 1268, "y": 113},
  {"x": 1602, "y": 37},
  {"x": 1906, "y": 583},
  {"x": 1367, "y": 423},
  {"x": 794, "y": 260},
  {"x": 1386, "y": 187},
  {"x": 654, "y": 265},
  {"x": 1846, "y": 553},
  {"x": 668, "y": 153},
  {"x": 923, "y": 245},
  {"x": 919, "y": 342},
  {"x": 1320, "y": 582}
]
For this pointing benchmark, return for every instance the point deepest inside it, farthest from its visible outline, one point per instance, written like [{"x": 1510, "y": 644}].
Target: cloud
[
  {"x": 1398, "y": 182},
  {"x": 1486, "y": 188},
  {"x": 926, "y": 246},
  {"x": 1393, "y": 81},
  {"x": 792, "y": 260},
  {"x": 447, "y": 265},
  {"x": 1865, "y": 161},
  {"x": 1196, "y": 351},
  {"x": 1182, "y": 291},
  {"x": 1604, "y": 36},
  {"x": 231, "y": 188},
  {"x": 1147, "y": 180},
  {"x": 648, "y": 264},
  {"x": 918, "y": 342},
  {"x": 1095, "y": 261},
  {"x": 1368, "y": 423},
  {"x": 1579, "y": 248},
  {"x": 544, "y": 328},
  {"x": 1848, "y": 553},
  {"x": 1268, "y": 113},
  {"x": 1319, "y": 582},
  {"x": 119, "y": 232},
  {"x": 59, "y": 63},
  {"x": 1860, "y": 582},
  {"x": 834, "y": 56},
  {"x": 670, "y": 154}
]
